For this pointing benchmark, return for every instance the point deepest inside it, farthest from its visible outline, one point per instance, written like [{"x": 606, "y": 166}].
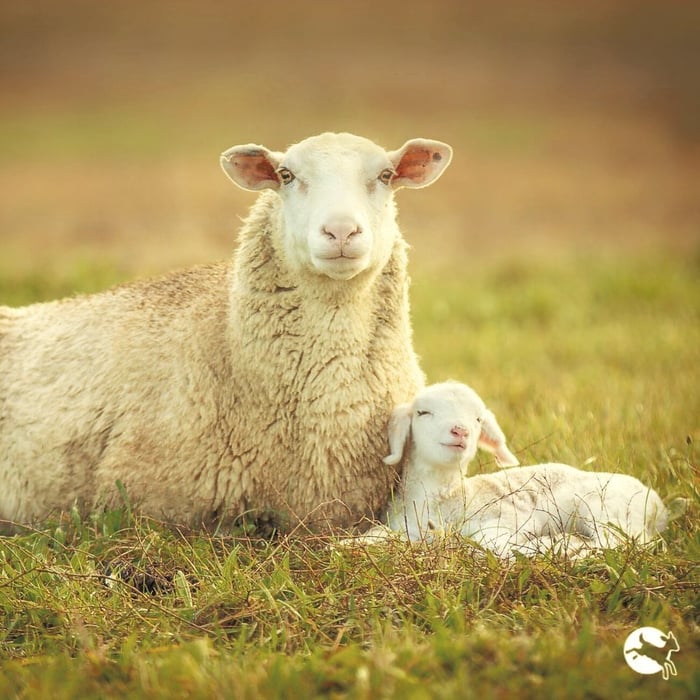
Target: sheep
[
  {"x": 520, "y": 509},
  {"x": 257, "y": 387}
]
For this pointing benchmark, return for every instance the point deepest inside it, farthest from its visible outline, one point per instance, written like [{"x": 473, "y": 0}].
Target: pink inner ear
[
  {"x": 487, "y": 442},
  {"x": 254, "y": 168},
  {"x": 414, "y": 164}
]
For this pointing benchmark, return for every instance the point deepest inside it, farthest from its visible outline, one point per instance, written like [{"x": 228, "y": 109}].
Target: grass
[{"x": 589, "y": 361}]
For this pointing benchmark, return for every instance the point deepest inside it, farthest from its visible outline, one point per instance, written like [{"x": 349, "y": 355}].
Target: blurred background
[{"x": 575, "y": 125}]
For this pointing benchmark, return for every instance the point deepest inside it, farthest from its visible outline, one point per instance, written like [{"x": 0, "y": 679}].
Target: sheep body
[
  {"x": 260, "y": 385},
  {"x": 520, "y": 509},
  {"x": 531, "y": 508}
]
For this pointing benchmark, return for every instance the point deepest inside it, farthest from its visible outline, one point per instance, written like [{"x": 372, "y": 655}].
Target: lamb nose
[{"x": 459, "y": 431}]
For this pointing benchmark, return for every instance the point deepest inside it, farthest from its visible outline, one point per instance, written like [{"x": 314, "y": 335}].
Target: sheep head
[
  {"x": 446, "y": 423},
  {"x": 336, "y": 191}
]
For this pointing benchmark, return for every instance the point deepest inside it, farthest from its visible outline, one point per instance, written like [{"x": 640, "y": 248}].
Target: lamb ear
[
  {"x": 493, "y": 440},
  {"x": 252, "y": 167},
  {"x": 399, "y": 430},
  {"x": 419, "y": 162}
]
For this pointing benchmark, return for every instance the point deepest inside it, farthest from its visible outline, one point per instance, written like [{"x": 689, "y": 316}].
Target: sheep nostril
[{"x": 341, "y": 230}]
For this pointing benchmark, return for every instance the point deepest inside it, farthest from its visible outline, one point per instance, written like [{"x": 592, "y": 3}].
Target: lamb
[
  {"x": 256, "y": 387},
  {"x": 522, "y": 509}
]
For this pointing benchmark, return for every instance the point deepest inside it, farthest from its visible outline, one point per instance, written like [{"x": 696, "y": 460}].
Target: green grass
[{"x": 592, "y": 361}]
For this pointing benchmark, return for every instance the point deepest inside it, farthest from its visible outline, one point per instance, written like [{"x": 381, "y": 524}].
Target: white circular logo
[{"x": 648, "y": 650}]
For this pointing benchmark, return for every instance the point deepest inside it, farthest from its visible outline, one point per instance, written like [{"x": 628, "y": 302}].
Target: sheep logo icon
[{"x": 648, "y": 650}]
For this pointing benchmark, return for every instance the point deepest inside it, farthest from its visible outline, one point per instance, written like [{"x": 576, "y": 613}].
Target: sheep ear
[
  {"x": 419, "y": 162},
  {"x": 399, "y": 430},
  {"x": 493, "y": 440},
  {"x": 252, "y": 167}
]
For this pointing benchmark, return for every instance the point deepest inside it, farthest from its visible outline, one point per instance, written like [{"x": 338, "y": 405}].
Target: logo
[{"x": 648, "y": 650}]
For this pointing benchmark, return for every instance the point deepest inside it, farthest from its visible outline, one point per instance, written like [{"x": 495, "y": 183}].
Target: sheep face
[
  {"x": 336, "y": 191},
  {"x": 447, "y": 423}
]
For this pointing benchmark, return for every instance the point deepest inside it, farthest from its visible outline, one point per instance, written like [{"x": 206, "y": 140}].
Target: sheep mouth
[
  {"x": 342, "y": 256},
  {"x": 461, "y": 445},
  {"x": 340, "y": 267}
]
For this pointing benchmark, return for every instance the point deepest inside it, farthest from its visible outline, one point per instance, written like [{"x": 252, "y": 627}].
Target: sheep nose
[
  {"x": 459, "y": 431},
  {"x": 341, "y": 229}
]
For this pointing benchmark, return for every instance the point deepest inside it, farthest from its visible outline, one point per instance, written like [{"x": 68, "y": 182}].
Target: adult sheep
[{"x": 260, "y": 386}]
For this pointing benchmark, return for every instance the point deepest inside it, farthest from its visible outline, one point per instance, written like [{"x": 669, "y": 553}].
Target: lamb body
[
  {"x": 521, "y": 509},
  {"x": 258, "y": 385}
]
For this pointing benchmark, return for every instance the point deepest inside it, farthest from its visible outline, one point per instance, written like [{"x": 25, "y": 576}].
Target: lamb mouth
[{"x": 456, "y": 445}]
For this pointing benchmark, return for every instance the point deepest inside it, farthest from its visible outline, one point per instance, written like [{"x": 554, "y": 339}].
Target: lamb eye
[
  {"x": 422, "y": 413},
  {"x": 286, "y": 175},
  {"x": 386, "y": 176}
]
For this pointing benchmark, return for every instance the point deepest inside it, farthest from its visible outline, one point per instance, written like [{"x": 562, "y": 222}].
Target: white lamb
[
  {"x": 257, "y": 386},
  {"x": 524, "y": 509}
]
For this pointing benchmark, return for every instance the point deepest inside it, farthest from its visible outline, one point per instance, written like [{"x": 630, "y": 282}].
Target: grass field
[
  {"x": 606, "y": 378},
  {"x": 555, "y": 268}
]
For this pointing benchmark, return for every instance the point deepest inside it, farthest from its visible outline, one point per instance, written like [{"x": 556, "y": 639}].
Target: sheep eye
[
  {"x": 386, "y": 176},
  {"x": 422, "y": 413},
  {"x": 286, "y": 175}
]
